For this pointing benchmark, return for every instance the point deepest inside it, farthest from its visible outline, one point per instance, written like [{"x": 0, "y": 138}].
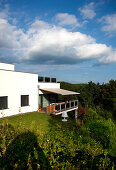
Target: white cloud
[
  {"x": 44, "y": 43},
  {"x": 110, "y": 57},
  {"x": 109, "y": 23},
  {"x": 88, "y": 11},
  {"x": 38, "y": 25},
  {"x": 66, "y": 19},
  {"x": 8, "y": 35}
]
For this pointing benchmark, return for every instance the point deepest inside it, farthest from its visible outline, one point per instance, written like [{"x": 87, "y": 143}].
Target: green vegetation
[
  {"x": 101, "y": 98},
  {"x": 46, "y": 142},
  {"x": 38, "y": 141}
]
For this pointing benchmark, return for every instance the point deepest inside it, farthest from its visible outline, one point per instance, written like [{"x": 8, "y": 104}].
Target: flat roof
[
  {"x": 59, "y": 91},
  {"x": 18, "y": 71}
]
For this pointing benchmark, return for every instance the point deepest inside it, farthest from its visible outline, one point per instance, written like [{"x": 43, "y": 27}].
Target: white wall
[
  {"x": 5, "y": 66},
  {"x": 14, "y": 84},
  {"x": 48, "y": 85}
]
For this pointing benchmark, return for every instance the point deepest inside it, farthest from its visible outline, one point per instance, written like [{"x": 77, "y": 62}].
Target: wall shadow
[{"x": 23, "y": 152}]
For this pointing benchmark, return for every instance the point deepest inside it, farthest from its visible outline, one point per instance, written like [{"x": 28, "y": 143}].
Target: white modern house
[
  {"x": 25, "y": 92},
  {"x": 18, "y": 91}
]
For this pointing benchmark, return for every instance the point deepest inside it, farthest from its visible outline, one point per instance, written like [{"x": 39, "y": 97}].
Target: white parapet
[
  {"x": 4, "y": 66},
  {"x": 48, "y": 86}
]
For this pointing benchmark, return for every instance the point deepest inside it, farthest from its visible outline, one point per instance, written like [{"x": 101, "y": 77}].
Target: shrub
[
  {"x": 101, "y": 131},
  {"x": 93, "y": 114},
  {"x": 64, "y": 146},
  {"x": 112, "y": 148}
]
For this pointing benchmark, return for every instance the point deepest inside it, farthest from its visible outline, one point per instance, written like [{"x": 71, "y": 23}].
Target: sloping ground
[
  {"x": 38, "y": 141},
  {"x": 29, "y": 120}
]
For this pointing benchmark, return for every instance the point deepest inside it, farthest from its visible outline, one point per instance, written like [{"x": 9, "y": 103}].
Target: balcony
[
  {"x": 66, "y": 106},
  {"x": 58, "y": 108}
]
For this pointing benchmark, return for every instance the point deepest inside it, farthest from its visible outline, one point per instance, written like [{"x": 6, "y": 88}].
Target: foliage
[
  {"x": 112, "y": 148},
  {"x": 102, "y": 97},
  {"x": 37, "y": 141},
  {"x": 101, "y": 130},
  {"x": 62, "y": 146},
  {"x": 20, "y": 150}
]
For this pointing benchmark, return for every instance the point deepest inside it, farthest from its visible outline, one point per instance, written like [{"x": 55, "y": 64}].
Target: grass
[
  {"x": 28, "y": 120},
  {"x": 35, "y": 120}
]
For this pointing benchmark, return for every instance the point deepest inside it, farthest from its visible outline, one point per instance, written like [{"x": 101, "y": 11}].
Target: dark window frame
[
  {"x": 3, "y": 102},
  {"x": 24, "y": 100}
]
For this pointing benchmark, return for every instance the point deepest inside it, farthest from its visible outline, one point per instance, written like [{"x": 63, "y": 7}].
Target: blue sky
[{"x": 73, "y": 40}]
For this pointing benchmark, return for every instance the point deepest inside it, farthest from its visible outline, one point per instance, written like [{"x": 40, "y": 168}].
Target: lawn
[
  {"x": 36, "y": 120},
  {"x": 29, "y": 120}
]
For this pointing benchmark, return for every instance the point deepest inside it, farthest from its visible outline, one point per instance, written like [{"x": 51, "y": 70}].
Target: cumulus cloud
[
  {"x": 56, "y": 45},
  {"x": 44, "y": 43},
  {"x": 110, "y": 57},
  {"x": 109, "y": 23},
  {"x": 66, "y": 19},
  {"x": 88, "y": 11},
  {"x": 8, "y": 35}
]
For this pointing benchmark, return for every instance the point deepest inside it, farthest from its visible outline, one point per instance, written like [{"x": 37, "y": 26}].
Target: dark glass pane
[
  {"x": 53, "y": 80},
  {"x": 40, "y": 79},
  {"x": 24, "y": 100},
  {"x": 47, "y": 79},
  {"x": 3, "y": 102}
]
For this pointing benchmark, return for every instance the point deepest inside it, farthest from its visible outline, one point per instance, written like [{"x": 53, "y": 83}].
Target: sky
[{"x": 72, "y": 40}]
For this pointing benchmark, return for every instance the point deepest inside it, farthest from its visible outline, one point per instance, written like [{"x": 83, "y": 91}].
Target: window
[
  {"x": 53, "y": 80},
  {"x": 24, "y": 100},
  {"x": 47, "y": 79},
  {"x": 3, "y": 102},
  {"x": 40, "y": 79}
]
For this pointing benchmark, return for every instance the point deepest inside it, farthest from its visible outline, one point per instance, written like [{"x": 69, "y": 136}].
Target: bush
[
  {"x": 93, "y": 114},
  {"x": 64, "y": 146},
  {"x": 112, "y": 148},
  {"x": 101, "y": 131}
]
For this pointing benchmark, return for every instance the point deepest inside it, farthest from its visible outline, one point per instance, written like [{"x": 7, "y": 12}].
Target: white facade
[{"x": 13, "y": 85}]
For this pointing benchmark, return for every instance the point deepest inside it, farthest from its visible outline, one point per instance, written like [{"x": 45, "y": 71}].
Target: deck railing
[{"x": 59, "y": 107}]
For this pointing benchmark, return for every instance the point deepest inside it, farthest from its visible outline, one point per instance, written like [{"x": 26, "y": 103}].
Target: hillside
[{"x": 101, "y": 97}]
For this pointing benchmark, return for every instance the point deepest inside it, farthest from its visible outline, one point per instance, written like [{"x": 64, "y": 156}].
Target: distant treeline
[{"x": 102, "y": 97}]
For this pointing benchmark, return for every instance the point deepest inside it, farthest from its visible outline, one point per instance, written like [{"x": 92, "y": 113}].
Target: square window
[
  {"x": 47, "y": 79},
  {"x": 3, "y": 102},
  {"x": 40, "y": 79},
  {"x": 24, "y": 100},
  {"x": 53, "y": 80}
]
